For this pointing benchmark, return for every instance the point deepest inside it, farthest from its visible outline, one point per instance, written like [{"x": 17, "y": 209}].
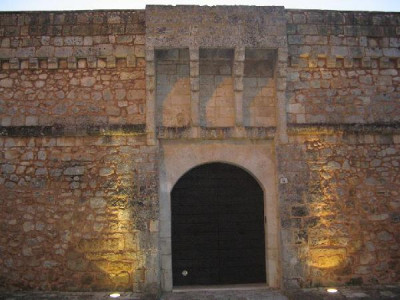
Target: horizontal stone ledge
[
  {"x": 70, "y": 62},
  {"x": 354, "y": 128},
  {"x": 61, "y": 130},
  {"x": 216, "y": 133},
  {"x": 333, "y": 62}
]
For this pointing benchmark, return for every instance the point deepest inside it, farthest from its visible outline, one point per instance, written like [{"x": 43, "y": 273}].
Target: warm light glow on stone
[
  {"x": 326, "y": 258},
  {"x": 332, "y": 290}
]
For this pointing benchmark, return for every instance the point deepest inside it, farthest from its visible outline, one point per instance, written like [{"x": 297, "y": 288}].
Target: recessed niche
[
  {"x": 259, "y": 105},
  {"x": 172, "y": 87},
  {"x": 216, "y": 94}
]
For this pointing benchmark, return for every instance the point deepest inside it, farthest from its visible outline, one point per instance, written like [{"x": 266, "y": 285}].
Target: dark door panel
[{"x": 217, "y": 227}]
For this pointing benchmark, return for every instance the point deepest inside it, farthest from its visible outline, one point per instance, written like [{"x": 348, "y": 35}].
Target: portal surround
[{"x": 255, "y": 157}]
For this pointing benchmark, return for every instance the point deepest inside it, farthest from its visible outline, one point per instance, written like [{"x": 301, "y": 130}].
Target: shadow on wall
[
  {"x": 173, "y": 87},
  {"x": 176, "y": 106},
  {"x": 217, "y": 106}
]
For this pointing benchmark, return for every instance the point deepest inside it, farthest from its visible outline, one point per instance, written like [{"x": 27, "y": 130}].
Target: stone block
[
  {"x": 102, "y": 245},
  {"x": 348, "y": 62},
  {"x": 140, "y": 51},
  {"x": 123, "y": 50},
  {"x": 111, "y": 61},
  {"x": 238, "y": 84},
  {"x": 63, "y": 52},
  {"x": 6, "y": 83},
  {"x": 384, "y": 63},
  {"x": 327, "y": 257},
  {"x": 45, "y": 51},
  {"x": 150, "y": 55},
  {"x": 366, "y": 62},
  {"x": 307, "y": 29},
  {"x": 97, "y": 202},
  {"x": 14, "y": 63},
  {"x": 313, "y": 62},
  {"x": 296, "y": 40},
  {"x": 391, "y": 52},
  {"x": 316, "y": 40},
  {"x": 52, "y": 63},
  {"x": 238, "y": 68},
  {"x": 24, "y": 63},
  {"x": 294, "y": 61},
  {"x": 74, "y": 171},
  {"x": 25, "y": 52},
  {"x": 296, "y": 108},
  {"x": 357, "y": 52},
  {"x": 31, "y": 121},
  {"x": 131, "y": 61},
  {"x": 87, "y": 41},
  {"x": 103, "y": 50},
  {"x": 150, "y": 69},
  {"x": 72, "y": 62},
  {"x": 8, "y": 168},
  {"x": 91, "y": 62},
  {"x": 88, "y": 81},
  {"x": 73, "y": 41},
  {"x": 339, "y": 51},
  {"x": 7, "y": 53},
  {"x": 373, "y": 52},
  {"x": 240, "y": 54}
]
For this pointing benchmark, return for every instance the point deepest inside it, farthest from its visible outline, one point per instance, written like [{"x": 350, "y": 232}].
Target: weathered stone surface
[
  {"x": 72, "y": 171},
  {"x": 324, "y": 202},
  {"x": 78, "y": 201},
  {"x": 6, "y": 83},
  {"x": 79, "y": 197}
]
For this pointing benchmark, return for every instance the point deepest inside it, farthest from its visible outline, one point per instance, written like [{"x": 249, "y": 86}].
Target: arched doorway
[{"x": 217, "y": 227}]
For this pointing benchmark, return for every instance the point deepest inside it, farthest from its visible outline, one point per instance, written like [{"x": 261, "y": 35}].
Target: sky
[{"x": 368, "y": 5}]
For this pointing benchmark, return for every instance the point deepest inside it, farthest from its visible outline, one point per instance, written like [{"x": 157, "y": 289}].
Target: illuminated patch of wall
[{"x": 339, "y": 202}]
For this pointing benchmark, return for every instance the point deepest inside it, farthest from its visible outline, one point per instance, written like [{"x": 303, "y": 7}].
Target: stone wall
[
  {"x": 80, "y": 212},
  {"x": 77, "y": 177},
  {"x": 87, "y": 97},
  {"x": 340, "y": 207},
  {"x": 343, "y": 67},
  {"x": 340, "y": 210},
  {"x": 74, "y": 68}
]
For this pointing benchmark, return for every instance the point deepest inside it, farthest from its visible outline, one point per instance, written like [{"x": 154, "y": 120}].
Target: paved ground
[
  {"x": 391, "y": 292},
  {"x": 259, "y": 294},
  {"x": 64, "y": 296},
  {"x": 345, "y": 293}
]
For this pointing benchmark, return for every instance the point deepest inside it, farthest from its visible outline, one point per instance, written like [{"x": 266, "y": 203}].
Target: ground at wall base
[{"x": 377, "y": 292}]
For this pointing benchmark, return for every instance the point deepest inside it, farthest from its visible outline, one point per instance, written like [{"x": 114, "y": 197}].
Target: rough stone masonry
[{"x": 94, "y": 104}]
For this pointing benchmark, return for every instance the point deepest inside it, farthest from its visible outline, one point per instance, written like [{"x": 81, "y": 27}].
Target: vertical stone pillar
[
  {"x": 150, "y": 97},
  {"x": 194, "y": 89},
  {"x": 280, "y": 77},
  {"x": 238, "y": 70}
]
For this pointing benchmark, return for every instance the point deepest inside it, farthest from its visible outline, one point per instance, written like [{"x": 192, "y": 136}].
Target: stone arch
[
  {"x": 222, "y": 162},
  {"x": 255, "y": 157}
]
